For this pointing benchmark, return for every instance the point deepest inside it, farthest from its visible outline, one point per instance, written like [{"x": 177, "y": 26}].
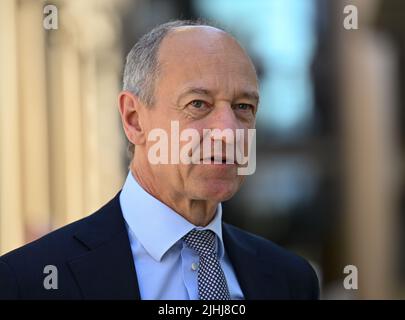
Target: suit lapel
[
  {"x": 257, "y": 278},
  {"x": 107, "y": 270}
]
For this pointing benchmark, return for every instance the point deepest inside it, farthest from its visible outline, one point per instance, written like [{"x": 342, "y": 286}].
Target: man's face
[{"x": 205, "y": 81}]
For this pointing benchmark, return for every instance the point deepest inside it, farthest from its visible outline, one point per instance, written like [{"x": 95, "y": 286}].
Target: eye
[
  {"x": 244, "y": 106},
  {"x": 198, "y": 104}
]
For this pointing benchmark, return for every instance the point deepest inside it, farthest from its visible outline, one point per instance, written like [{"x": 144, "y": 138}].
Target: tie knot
[{"x": 202, "y": 241}]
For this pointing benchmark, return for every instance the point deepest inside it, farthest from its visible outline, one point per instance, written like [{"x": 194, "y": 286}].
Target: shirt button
[{"x": 194, "y": 266}]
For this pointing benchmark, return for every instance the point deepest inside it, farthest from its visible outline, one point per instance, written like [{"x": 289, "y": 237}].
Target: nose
[{"x": 224, "y": 119}]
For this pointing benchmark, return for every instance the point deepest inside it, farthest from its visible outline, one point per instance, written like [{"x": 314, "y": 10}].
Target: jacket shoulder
[
  {"x": 24, "y": 268},
  {"x": 48, "y": 245},
  {"x": 296, "y": 270}
]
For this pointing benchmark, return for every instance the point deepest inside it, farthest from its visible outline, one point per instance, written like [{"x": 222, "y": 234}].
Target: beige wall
[{"x": 61, "y": 144}]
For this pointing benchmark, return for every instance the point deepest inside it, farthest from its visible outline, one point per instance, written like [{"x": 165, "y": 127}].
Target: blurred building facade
[
  {"x": 330, "y": 180},
  {"x": 61, "y": 144}
]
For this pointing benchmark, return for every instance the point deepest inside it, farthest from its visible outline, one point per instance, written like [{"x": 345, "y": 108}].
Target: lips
[{"x": 218, "y": 160}]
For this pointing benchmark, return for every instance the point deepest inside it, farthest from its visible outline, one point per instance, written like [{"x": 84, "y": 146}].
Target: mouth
[{"x": 218, "y": 160}]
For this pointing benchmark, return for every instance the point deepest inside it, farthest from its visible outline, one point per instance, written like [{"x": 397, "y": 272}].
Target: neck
[{"x": 197, "y": 212}]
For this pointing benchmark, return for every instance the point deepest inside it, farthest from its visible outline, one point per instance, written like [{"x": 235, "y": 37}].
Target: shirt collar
[{"x": 150, "y": 220}]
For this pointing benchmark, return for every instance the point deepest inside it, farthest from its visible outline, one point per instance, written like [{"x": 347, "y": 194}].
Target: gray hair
[{"x": 141, "y": 68}]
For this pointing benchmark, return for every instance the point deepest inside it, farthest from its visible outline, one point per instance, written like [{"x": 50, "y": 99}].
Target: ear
[{"x": 130, "y": 110}]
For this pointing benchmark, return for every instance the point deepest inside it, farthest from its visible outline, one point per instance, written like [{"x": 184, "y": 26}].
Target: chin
[{"x": 218, "y": 191}]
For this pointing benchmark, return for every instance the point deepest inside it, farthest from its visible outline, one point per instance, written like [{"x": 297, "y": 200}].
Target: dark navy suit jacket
[{"x": 94, "y": 261}]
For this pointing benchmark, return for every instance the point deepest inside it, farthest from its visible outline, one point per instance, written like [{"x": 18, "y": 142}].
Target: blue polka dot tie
[{"x": 211, "y": 279}]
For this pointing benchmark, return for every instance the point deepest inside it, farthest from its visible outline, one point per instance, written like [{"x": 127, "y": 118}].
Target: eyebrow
[{"x": 253, "y": 95}]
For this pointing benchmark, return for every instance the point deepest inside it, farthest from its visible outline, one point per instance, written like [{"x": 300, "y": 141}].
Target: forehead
[
  {"x": 204, "y": 52},
  {"x": 208, "y": 39}
]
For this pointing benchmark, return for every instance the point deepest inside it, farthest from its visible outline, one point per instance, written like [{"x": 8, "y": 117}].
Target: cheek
[{"x": 170, "y": 176}]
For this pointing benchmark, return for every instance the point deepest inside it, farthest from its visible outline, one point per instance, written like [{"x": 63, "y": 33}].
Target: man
[{"x": 162, "y": 236}]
